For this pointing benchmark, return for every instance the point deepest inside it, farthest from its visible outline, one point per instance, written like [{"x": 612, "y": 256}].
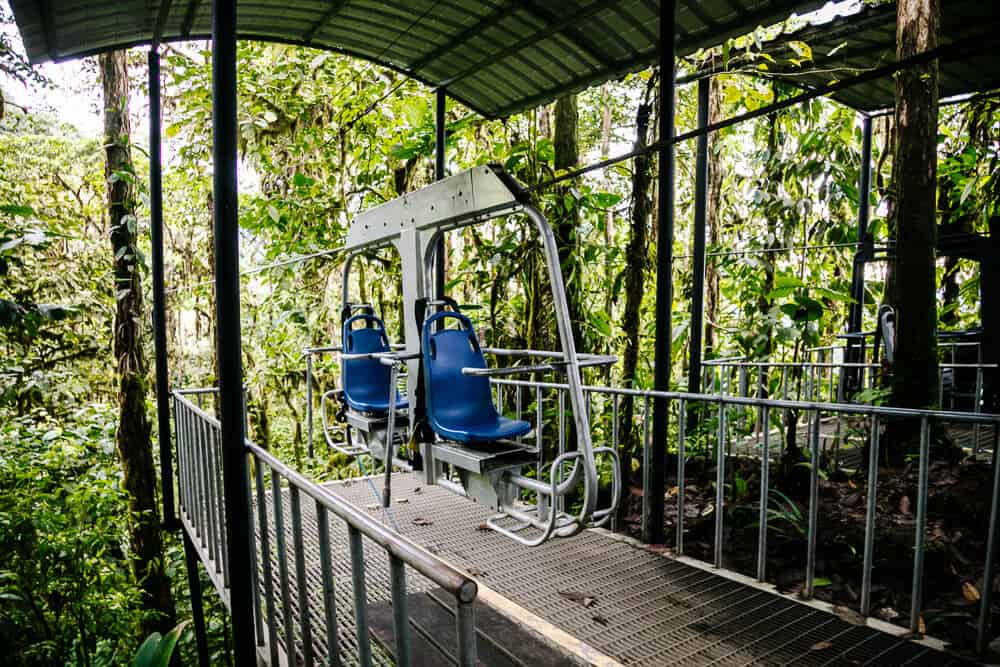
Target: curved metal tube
[{"x": 584, "y": 442}]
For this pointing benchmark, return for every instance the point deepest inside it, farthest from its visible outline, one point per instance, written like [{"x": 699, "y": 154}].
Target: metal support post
[
  {"x": 652, "y": 529},
  {"x": 698, "y": 260},
  {"x": 856, "y": 311},
  {"x": 197, "y": 606},
  {"x": 227, "y": 313},
  {"x": 440, "y": 105},
  {"x": 159, "y": 296}
]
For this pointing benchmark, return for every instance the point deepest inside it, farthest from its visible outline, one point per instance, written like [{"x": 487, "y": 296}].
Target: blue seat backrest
[
  {"x": 454, "y": 401},
  {"x": 365, "y": 380}
]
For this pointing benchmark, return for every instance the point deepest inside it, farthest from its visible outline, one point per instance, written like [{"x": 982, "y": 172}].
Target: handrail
[
  {"x": 413, "y": 554},
  {"x": 849, "y": 408},
  {"x": 202, "y": 500}
]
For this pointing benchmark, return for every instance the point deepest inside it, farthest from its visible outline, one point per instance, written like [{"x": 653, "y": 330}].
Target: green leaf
[
  {"x": 273, "y": 213},
  {"x": 20, "y": 211},
  {"x": 146, "y": 655},
  {"x": 819, "y": 582}
]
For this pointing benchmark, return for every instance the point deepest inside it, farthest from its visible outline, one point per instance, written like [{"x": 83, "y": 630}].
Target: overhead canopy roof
[
  {"x": 848, "y": 46},
  {"x": 496, "y": 56}
]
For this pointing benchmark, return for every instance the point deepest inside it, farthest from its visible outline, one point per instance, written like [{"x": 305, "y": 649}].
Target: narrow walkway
[{"x": 631, "y": 605}]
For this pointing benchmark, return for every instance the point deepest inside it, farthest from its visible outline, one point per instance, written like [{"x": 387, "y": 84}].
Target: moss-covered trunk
[{"x": 133, "y": 433}]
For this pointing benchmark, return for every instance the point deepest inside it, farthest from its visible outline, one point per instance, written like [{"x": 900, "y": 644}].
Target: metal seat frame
[{"x": 413, "y": 225}]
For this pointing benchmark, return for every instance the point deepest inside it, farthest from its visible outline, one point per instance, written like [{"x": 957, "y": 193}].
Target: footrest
[{"x": 484, "y": 458}]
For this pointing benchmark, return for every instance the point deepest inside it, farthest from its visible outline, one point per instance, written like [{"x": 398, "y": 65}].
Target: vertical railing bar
[
  {"x": 517, "y": 401},
  {"x": 209, "y": 489},
  {"x": 765, "y": 472},
  {"x": 265, "y": 548},
  {"x": 309, "y": 404},
  {"x": 614, "y": 446},
  {"x": 978, "y": 406},
  {"x": 560, "y": 504},
  {"x": 360, "y": 597},
  {"x": 916, "y": 597},
  {"x": 181, "y": 456},
  {"x": 647, "y": 463},
  {"x": 813, "y": 504},
  {"x": 282, "y": 555},
  {"x": 400, "y": 617},
  {"x": 869, "y": 554},
  {"x": 223, "y": 538},
  {"x": 681, "y": 482},
  {"x": 466, "y": 622},
  {"x": 986, "y": 597},
  {"x": 329, "y": 585},
  {"x": 720, "y": 481},
  {"x": 305, "y": 622},
  {"x": 539, "y": 421},
  {"x": 254, "y": 573}
]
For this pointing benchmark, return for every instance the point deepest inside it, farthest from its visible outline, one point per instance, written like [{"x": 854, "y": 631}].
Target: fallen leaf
[
  {"x": 475, "y": 572},
  {"x": 671, "y": 492},
  {"x": 483, "y": 527},
  {"x": 904, "y": 505},
  {"x": 821, "y": 646},
  {"x": 373, "y": 508},
  {"x": 403, "y": 501},
  {"x": 921, "y": 628},
  {"x": 420, "y": 521},
  {"x": 887, "y": 613},
  {"x": 580, "y": 598},
  {"x": 849, "y": 615},
  {"x": 970, "y": 592},
  {"x": 416, "y": 489},
  {"x": 600, "y": 620}
]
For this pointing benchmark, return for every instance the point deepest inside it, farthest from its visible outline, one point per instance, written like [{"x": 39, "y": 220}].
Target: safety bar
[
  {"x": 203, "y": 516},
  {"x": 585, "y": 361}
]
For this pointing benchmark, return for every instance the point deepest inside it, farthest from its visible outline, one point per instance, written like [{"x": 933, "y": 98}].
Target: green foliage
[
  {"x": 66, "y": 593},
  {"x": 157, "y": 650}
]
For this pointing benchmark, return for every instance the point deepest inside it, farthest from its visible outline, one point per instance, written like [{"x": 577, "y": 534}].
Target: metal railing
[
  {"x": 824, "y": 379},
  {"x": 716, "y": 438},
  {"x": 286, "y": 623}
]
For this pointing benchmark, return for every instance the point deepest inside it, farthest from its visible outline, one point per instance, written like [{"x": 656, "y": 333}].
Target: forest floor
[{"x": 957, "y": 517}]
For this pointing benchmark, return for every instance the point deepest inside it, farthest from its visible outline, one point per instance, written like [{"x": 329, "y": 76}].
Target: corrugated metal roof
[
  {"x": 496, "y": 56},
  {"x": 851, "y": 45}
]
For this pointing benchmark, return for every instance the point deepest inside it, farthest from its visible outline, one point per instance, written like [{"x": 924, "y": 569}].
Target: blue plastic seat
[
  {"x": 366, "y": 381},
  {"x": 460, "y": 407}
]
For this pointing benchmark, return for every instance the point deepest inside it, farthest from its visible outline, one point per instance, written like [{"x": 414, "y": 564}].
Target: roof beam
[
  {"x": 580, "y": 40},
  {"x": 333, "y": 10},
  {"x": 188, "y": 22},
  {"x": 699, "y": 14},
  {"x": 49, "y": 30},
  {"x": 161, "y": 20},
  {"x": 500, "y": 12},
  {"x": 548, "y": 30}
]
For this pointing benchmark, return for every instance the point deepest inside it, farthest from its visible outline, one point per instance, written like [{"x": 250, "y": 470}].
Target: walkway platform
[{"x": 592, "y": 599}]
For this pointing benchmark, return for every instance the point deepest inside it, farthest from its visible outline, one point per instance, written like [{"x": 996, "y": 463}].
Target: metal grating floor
[{"x": 647, "y": 609}]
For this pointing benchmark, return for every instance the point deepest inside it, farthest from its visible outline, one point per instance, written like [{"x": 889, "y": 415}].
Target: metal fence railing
[
  {"x": 723, "y": 426},
  {"x": 287, "y": 565}
]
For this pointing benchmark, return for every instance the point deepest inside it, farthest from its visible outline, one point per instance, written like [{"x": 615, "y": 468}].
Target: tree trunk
[
  {"x": 713, "y": 217},
  {"x": 636, "y": 264},
  {"x": 567, "y": 156},
  {"x": 915, "y": 369},
  {"x": 133, "y": 433}
]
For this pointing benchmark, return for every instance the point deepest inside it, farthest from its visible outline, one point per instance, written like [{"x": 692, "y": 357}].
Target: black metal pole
[
  {"x": 652, "y": 529},
  {"x": 856, "y": 311},
  {"x": 197, "y": 604},
  {"x": 159, "y": 296},
  {"x": 698, "y": 259},
  {"x": 227, "y": 312},
  {"x": 440, "y": 105}
]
